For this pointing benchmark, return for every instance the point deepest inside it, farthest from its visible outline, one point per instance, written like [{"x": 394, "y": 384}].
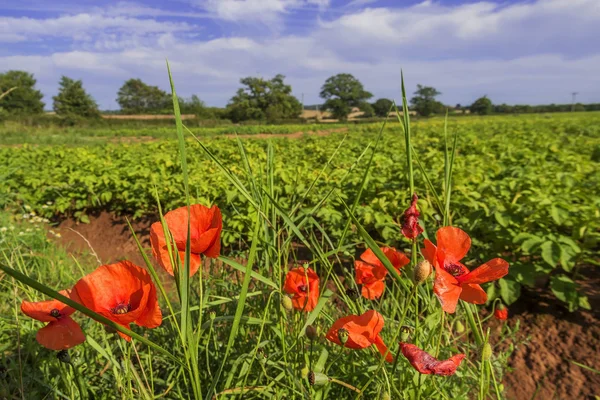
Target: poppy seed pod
[
  {"x": 304, "y": 372},
  {"x": 343, "y": 336},
  {"x": 486, "y": 352},
  {"x": 311, "y": 332},
  {"x": 422, "y": 272},
  {"x": 317, "y": 379},
  {"x": 63, "y": 356},
  {"x": 286, "y": 302},
  {"x": 405, "y": 333}
]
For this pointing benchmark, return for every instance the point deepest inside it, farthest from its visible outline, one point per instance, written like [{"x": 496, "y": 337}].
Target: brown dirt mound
[{"x": 541, "y": 367}]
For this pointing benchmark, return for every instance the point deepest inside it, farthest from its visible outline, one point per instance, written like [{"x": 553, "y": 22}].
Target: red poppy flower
[
  {"x": 427, "y": 364},
  {"x": 370, "y": 271},
  {"x": 205, "y": 235},
  {"x": 303, "y": 285},
  {"x": 62, "y": 332},
  {"x": 363, "y": 331},
  {"x": 410, "y": 220},
  {"x": 123, "y": 293},
  {"x": 501, "y": 313},
  {"x": 452, "y": 279}
]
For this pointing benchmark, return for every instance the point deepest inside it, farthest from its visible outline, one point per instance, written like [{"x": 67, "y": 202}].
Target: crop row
[{"x": 527, "y": 187}]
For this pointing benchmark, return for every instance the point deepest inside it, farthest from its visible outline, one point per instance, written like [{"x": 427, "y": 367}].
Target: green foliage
[
  {"x": 73, "y": 100},
  {"x": 482, "y": 106},
  {"x": 382, "y": 107},
  {"x": 424, "y": 102},
  {"x": 367, "y": 110},
  {"x": 136, "y": 97},
  {"x": 24, "y": 99},
  {"x": 342, "y": 92},
  {"x": 261, "y": 100}
]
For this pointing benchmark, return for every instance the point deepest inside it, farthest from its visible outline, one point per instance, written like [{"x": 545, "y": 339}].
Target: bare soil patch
[{"x": 542, "y": 367}]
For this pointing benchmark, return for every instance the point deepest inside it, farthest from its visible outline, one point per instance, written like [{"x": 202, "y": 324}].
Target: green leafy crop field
[{"x": 527, "y": 186}]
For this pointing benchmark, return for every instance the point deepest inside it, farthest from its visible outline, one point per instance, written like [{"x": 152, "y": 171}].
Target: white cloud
[{"x": 513, "y": 53}]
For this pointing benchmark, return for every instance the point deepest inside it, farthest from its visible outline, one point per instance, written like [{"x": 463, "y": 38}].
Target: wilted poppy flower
[
  {"x": 452, "y": 279},
  {"x": 205, "y": 235},
  {"x": 61, "y": 332},
  {"x": 303, "y": 285},
  {"x": 370, "y": 271},
  {"x": 363, "y": 331},
  {"x": 123, "y": 293},
  {"x": 427, "y": 364},
  {"x": 501, "y": 313},
  {"x": 410, "y": 220}
]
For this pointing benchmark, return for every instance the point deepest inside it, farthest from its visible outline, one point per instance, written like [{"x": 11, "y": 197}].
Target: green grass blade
[
  {"x": 323, "y": 299},
  {"x": 254, "y": 274}
]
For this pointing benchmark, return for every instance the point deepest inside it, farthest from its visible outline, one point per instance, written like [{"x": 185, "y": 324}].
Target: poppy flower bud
[
  {"x": 486, "y": 352},
  {"x": 287, "y": 303},
  {"x": 385, "y": 396},
  {"x": 311, "y": 332},
  {"x": 262, "y": 356},
  {"x": 459, "y": 327},
  {"x": 63, "y": 356},
  {"x": 405, "y": 333},
  {"x": 343, "y": 336},
  {"x": 317, "y": 379},
  {"x": 212, "y": 315},
  {"x": 410, "y": 220},
  {"x": 501, "y": 313},
  {"x": 422, "y": 272}
]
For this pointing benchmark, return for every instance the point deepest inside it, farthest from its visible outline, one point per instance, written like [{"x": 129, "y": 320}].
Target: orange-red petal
[
  {"x": 490, "y": 271},
  {"x": 303, "y": 285},
  {"x": 373, "y": 290},
  {"x": 60, "y": 334},
  {"x": 161, "y": 254},
  {"x": 472, "y": 293},
  {"x": 40, "y": 310},
  {"x": 362, "y": 329},
  {"x": 447, "y": 290},
  {"x": 429, "y": 251},
  {"x": 383, "y": 349},
  {"x": 454, "y": 242}
]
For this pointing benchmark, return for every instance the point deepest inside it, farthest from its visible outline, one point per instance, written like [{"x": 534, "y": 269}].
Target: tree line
[{"x": 258, "y": 99}]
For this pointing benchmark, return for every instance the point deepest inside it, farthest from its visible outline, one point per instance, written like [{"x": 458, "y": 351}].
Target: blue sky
[{"x": 533, "y": 51}]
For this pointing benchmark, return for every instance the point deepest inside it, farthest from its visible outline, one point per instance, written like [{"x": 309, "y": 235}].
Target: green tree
[
  {"x": 24, "y": 99},
  {"x": 136, "y": 97},
  {"x": 382, "y": 107},
  {"x": 342, "y": 92},
  {"x": 482, "y": 106},
  {"x": 424, "y": 101},
  {"x": 262, "y": 99},
  {"x": 72, "y": 100},
  {"x": 367, "y": 109}
]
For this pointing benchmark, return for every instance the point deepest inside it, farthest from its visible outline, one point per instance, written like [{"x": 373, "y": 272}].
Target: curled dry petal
[{"x": 427, "y": 364}]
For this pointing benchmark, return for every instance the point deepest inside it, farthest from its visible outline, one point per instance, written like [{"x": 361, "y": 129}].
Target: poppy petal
[
  {"x": 303, "y": 285},
  {"x": 383, "y": 349},
  {"x": 490, "y": 271},
  {"x": 60, "y": 334},
  {"x": 373, "y": 290},
  {"x": 427, "y": 364},
  {"x": 472, "y": 293},
  {"x": 369, "y": 257},
  {"x": 447, "y": 290},
  {"x": 454, "y": 242},
  {"x": 362, "y": 329},
  {"x": 429, "y": 251},
  {"x": 40, "y": 310},
  {"x": 152, "y": 316},
  {"x": 397, "y": 258}
]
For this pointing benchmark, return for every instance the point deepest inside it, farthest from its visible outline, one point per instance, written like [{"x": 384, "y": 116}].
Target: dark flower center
[
  {"x": 454, "y": 269},
  {"x": 121, "y": 309},
  {"x": 303, "y": 288},
  {"x": 55, "y": 313}
]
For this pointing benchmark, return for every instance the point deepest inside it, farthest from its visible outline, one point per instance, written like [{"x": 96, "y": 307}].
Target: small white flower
[
  {"x": 28, "y": 230},
  {"x": 45, "y": 220},
  {"x": 25, "y": 216},
  {"x": 44, "y": 206},
  {"x": 27, "y": 208},
  {"x": 12, "y": 228},
  {"x": 49, "y": 203},
  {"x": 21, "y": 233},
  {"x": 58, "y": 235},
  {"x": 3, "y": 229},
  {"x": 51, "y": 231}
]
